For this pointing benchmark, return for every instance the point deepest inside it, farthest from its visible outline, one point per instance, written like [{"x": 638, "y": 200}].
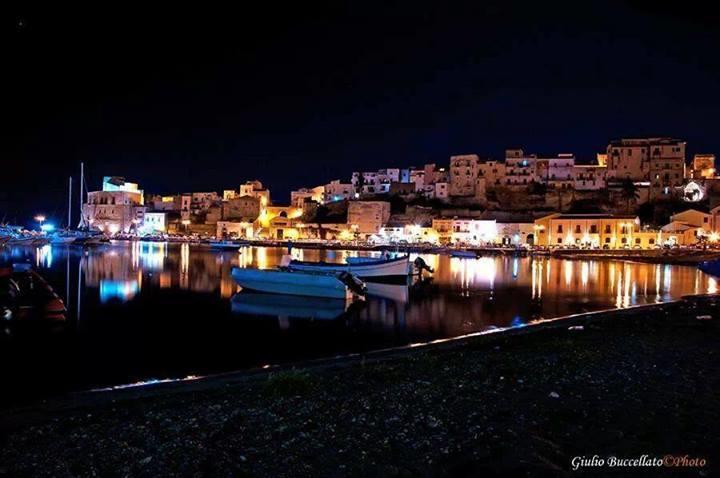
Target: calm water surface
[{"x": 139, "y": 310}]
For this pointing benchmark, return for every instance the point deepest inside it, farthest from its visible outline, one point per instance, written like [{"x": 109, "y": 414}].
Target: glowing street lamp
[{"x": 40, "y": 218}]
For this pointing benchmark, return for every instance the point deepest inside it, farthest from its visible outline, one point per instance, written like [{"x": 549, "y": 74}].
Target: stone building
[{"x": 368, "y": 216}]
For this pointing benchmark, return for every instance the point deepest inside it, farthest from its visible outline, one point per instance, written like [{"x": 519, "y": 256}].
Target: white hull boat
[
  {"x": 294, "y": 283},
  {"x": 364, "y": 268}
]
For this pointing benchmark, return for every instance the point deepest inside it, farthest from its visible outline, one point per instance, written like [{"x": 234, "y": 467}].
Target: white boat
[
  {"x": 283, "y": 305},
  {"x": 364, "y": 268},
  {"x": 335, "y": 286}
]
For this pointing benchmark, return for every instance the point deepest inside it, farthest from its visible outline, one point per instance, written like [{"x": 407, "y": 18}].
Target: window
[
  {"x": 607, "y": 240},
  {"x": 624, "y": 240},
  {"x": 651, "y": 241},
  {"x": 559, "y": 240},
  {"x": 705, "y": 219},
  {"x": 637, "y": 240},
  {"x": 607, "y": 229},
  {"x": 559, "y": 229},
  {"x": 593, "y": 229},
  {"x": 577, "y": 229}
]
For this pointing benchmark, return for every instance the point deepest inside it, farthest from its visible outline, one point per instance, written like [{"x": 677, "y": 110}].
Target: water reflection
[{"x": 179, "y": 307}]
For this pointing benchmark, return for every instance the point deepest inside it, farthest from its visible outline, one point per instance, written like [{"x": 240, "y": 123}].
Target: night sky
[{"x": 183, "y": 100}]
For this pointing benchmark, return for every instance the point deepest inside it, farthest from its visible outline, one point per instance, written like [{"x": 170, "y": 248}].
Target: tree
[{"x": 629, "y": 192}]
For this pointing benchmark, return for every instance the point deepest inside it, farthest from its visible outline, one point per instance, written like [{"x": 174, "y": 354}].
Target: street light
[{"x": 40, "y": 218}]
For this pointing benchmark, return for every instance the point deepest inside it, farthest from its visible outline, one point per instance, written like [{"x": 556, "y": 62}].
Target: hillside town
[{"x": 640, "y": 193}]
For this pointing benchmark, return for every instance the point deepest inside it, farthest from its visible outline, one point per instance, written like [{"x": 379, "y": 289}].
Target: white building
[
  {"x": 589, "y": 177},
  {"x": 255, "y": 189},
  {"x": 119, "y": 207},
  {"x": 298, "y": 197},
  {"x": 520, "y": 168},
  {"x": 560, "y": 171},
  {"x": 337, "y": 191},
  {"x": 153, "y": 223}
]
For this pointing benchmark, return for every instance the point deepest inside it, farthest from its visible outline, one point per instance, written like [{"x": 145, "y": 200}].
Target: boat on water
[
  {"x": 463, "y": 253},
  {"x": 284, "y": 305},
  {"x": 342, "y": 285},
  {"x": 363, "y": 267},
  {"x": 25, "y": 295},
  {"x": 225, "y": 244}
]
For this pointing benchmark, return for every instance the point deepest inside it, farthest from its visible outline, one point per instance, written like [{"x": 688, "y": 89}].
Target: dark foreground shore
[{"x": 631, "y": 383}]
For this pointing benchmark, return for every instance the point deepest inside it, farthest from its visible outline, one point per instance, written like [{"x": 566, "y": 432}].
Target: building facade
[
  {"x": 368, "y": 216},
  {"x": 464, "y": 170}
]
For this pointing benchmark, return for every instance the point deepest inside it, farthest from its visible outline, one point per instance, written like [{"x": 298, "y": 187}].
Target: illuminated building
[
  {"x": 694, "y": 218},
  {"x": 153, "y": 222},
  {"x": 368, "y": 216},
  {"x": 661, "y": 161},
  {"x": 337, "y": 191},
  {"x": 201, "y": 202},
  {"x": 241, "y": 209},
  {"x": 591, "y": 230},
  {"x": 703, "y": 167},
  {"x": 493, "y": 172},
  {"x": 119, "y": 207},
  {"x": 682, "y": 233},
  {"x": 520, "y": 169},
  {"x": 464, "y": 171},
  {"x": 559, "y": 171},
  {"x": 235, "y": 230},
  {"x": 589, "y": 177},
  {"x": 299, "y": 196},
  {"x": 255, "y": 189}
]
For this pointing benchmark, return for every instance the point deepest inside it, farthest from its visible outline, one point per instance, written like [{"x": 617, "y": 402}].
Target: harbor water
[{"x": 140, "y": 311}]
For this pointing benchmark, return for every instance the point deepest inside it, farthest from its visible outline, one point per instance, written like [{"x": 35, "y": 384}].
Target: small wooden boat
[
  {"x": 283, "y": 305},
  {"x": 335, "y": 286},
  {"x": 25, "y": 295},
  {"x": 364, "y": 268}
]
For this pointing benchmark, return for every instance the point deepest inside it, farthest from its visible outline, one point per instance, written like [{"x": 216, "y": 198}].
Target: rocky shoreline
[{"x": 628, "y": 383}]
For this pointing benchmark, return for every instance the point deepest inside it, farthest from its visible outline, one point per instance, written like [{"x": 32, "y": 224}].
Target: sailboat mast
[
  {"x": 69, "y": 224},
  {"x": 82, "y": 181}
]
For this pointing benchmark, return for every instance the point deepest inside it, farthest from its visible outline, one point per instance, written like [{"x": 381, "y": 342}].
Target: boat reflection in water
[
  {"x": 283, "y": 305},
  {"x": 179, "y": 308}
]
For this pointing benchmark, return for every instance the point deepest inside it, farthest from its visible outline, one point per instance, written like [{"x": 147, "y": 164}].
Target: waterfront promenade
[{"x": 625, "y": 383}]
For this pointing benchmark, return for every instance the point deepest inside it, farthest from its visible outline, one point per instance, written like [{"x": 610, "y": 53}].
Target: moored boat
[
  {"x": 336, "y": 286},
  {"x": 364, "y": 268}
]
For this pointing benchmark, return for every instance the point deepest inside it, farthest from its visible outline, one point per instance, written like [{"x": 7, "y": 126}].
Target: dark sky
[{"x": 204, "y": 99}]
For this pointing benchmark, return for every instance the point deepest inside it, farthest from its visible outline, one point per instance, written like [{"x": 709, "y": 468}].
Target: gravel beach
[{"x": 624, "y": 384}]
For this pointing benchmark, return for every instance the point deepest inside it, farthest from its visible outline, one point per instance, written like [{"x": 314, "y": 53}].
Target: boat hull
[
  {"x": 393, "y": 268},
  {"x": 292, "y": 283}
]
